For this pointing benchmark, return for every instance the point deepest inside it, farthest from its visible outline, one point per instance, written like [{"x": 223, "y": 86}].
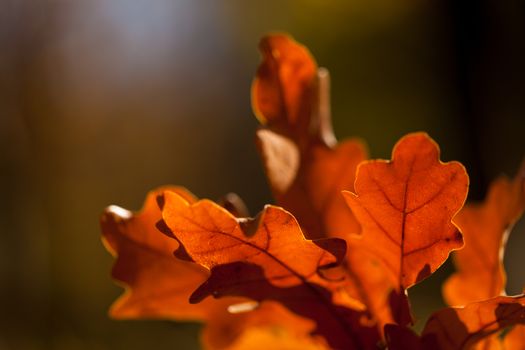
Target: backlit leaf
[
  {"x": 284, "y": 85},
  {"x": 307, "y": 170},
  {"x": 480, "y": 273},
  {"x": 158, "y": 286},
  {"x": 266, "y": 258},
  {"x": 305, "y": 167},
  {"x": 405, "y": 207},
  {"x": 460, "y": 328}
]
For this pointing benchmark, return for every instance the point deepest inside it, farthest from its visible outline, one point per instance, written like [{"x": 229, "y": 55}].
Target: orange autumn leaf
[
  {"x": 310, "y": 184},
  {"x": 480, "y": 273},
  {"x": 305, "y": 167},
  {"x": 405, "y": 207},
  {"x": 460, "y": 328},
  {"x": 284, "y": 85},
  {"x": 212, "y": 236},
  {"x": 266, "y": 258},
  {"x": 486, "y": 227},
  {"x": 158, "y": 285}
]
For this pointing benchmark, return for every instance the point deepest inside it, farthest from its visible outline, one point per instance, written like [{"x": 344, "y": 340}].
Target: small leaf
[
  {"x": 284, "y": 85},
  {"x": 405, "y": 207}
]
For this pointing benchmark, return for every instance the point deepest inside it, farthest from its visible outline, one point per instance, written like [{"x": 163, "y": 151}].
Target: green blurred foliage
[{"x": 101, "y": 101}]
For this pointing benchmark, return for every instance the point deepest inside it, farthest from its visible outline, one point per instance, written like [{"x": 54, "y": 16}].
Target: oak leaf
[
  {"x": 158, "y": 285},
  {"x": 480, "y": 273},
  {"x": 307, "y": 169},
  {"x": 406, "y": 206},
  {"x": 266, "y": 258},
  {"x": 462, "y": 327},
  {"x": 284, "y": 86}
]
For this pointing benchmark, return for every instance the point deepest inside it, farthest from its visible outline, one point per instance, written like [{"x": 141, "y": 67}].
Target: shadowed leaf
[
  {"x": 305, "y": 167},
  {"x": 273, "y": 262},
  {"x": 460, "y": 328},
  {"x": 514, "y": 339},
  {"x": 158, "y": 286},
  {"x": 307, "y": 170}
]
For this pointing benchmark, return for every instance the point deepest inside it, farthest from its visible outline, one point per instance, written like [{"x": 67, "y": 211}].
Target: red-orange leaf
[
  {"x": 485, "y": 228},
  {"x": 307, "y": 170},
  {"x": 405, "y": 207},
  {"x": 460, "y": 328},
  {"x": 305, "y": 167},
  {"x": 310, "y": 184},
  {"x": 284, "y": 85},
  {"x": 159, "y": 286},
  {"x": 211, "y": 236},
  {"x": 266, "y": 258}
]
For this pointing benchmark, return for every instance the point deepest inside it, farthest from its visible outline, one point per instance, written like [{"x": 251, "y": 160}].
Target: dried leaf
[
  {"x": 405, "y": 207},
  {"x": 480, "y": 273}
]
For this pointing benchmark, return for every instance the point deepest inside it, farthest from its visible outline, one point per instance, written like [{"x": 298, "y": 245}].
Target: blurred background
[{"x": 101, "y": 101}]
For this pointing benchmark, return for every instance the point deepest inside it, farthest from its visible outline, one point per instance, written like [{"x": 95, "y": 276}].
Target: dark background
[{"x": 101, "y": 101}]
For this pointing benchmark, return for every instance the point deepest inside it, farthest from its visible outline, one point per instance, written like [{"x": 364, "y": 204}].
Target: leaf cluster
[{"x": 331, "y": 265}]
